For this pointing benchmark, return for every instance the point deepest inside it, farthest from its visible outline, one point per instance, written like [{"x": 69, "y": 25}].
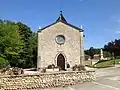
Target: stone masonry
[
  {"x": 48, "y": 49},
  {"x": 44, "y": 80}
]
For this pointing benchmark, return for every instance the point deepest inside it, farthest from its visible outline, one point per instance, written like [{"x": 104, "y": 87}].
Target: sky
[{"x": 100, "y": 18}]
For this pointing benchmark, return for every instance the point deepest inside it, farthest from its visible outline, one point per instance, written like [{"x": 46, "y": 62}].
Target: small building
[{"x": 61, "y": 44}]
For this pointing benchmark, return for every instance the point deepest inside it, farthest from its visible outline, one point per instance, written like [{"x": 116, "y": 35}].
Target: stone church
[{"x": 61, "y": 44}]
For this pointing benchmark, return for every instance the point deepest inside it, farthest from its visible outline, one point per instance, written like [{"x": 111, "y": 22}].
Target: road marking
[{"x": 108, "y": 86}]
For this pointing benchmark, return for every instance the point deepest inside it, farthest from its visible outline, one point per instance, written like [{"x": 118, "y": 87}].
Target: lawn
[{"x": 106, "y": 63}]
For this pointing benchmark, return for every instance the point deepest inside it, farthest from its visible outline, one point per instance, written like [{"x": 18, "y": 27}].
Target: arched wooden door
[{"x": 61, "y": 62}]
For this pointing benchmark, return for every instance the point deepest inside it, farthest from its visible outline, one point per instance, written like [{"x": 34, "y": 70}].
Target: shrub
[
  {"x": 17, "y": 71},
  {"x": 118, "y": 57},
  {"x": 78, "y": 68},
  {"x": 51, "y": 66},
  {"x": 81, "y": 67},
  {"x": 3, "y": 63},
  {"x": 74, "y": 67},
  {"x": 43, "y": 70},
  {"x": 68, "y": 65}
]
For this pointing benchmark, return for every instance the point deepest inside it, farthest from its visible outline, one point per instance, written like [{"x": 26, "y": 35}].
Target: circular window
[{"x": 60, "y": 39}]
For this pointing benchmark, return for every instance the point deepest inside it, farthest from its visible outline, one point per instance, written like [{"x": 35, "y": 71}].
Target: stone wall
[{"x": 45, "y": 80}]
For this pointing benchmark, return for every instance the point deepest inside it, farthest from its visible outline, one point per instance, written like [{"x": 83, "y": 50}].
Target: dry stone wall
[{"x": 45, "y": 80}]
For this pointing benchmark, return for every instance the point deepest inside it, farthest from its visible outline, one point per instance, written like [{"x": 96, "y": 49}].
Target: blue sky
[{"x": 100, "y": 18}]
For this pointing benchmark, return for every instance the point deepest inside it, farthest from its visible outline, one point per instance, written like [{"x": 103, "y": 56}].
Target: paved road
[{"x": 107, "y": 79}]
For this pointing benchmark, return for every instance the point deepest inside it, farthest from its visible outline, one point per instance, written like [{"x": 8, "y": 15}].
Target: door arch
[{"x": 61, "y": 61}]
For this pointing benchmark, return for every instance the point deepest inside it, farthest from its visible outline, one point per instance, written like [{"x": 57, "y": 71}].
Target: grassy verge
[{"x": 106, "y": 63}]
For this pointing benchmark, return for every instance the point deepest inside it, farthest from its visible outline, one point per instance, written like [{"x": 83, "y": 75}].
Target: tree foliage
[
  {"x": 92, "y": 51},
  {"x": 10, "y": 41},
  {"x": 17, "y": 44},
  {"x": 113, "y": 48},
  {"x": 28, "y": 56}
]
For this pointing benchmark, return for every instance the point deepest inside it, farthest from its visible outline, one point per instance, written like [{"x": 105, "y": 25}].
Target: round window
[{"x": 60, "y": 39}]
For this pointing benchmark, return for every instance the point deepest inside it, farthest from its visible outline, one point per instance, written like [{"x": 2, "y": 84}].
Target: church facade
[{"x": 61, "y": 44}]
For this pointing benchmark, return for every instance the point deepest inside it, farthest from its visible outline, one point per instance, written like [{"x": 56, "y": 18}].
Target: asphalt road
[{"x": 107, "y": 79}]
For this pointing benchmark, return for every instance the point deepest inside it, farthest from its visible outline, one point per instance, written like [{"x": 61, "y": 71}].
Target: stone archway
[{"x": 61, "y": 61}]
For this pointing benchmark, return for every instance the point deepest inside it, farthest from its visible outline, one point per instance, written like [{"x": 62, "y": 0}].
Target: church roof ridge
[{"x": 63, "y": 20}]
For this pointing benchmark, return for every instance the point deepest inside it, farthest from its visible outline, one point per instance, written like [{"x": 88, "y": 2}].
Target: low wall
[{"x": 45, "y": 80}]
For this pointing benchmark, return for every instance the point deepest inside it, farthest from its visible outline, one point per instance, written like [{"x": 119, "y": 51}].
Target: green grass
[{"x": 106, "y": 63}]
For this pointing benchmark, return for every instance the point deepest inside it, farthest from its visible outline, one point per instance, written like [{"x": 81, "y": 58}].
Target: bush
[
  {"x": 3, "y": 63},
  {"x": 43, "y": 70},
  {"x": 17, "y": 71},
  {"x": 51, "y": 66},
  {"x": 118, "y": 57},
  {"x": 81, "y": 68},
  {"x": 68, "y": 65},
  {"x": 74, "y": 67},
  {"x": 11, "y": 71},
  {"x": 78, "y": 68}
]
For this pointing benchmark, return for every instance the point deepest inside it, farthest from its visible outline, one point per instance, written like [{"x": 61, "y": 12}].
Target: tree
[
  {"x": 113, "y": 48},
  {"x": 10, "y": 41},
  {"x": 92, "y": 51},
  {"x": 28, "y": 56},
  {"x": 17, "y": 45},
  {"x": 106, "y": 54},
  {"x": 31, "y": 57}
]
